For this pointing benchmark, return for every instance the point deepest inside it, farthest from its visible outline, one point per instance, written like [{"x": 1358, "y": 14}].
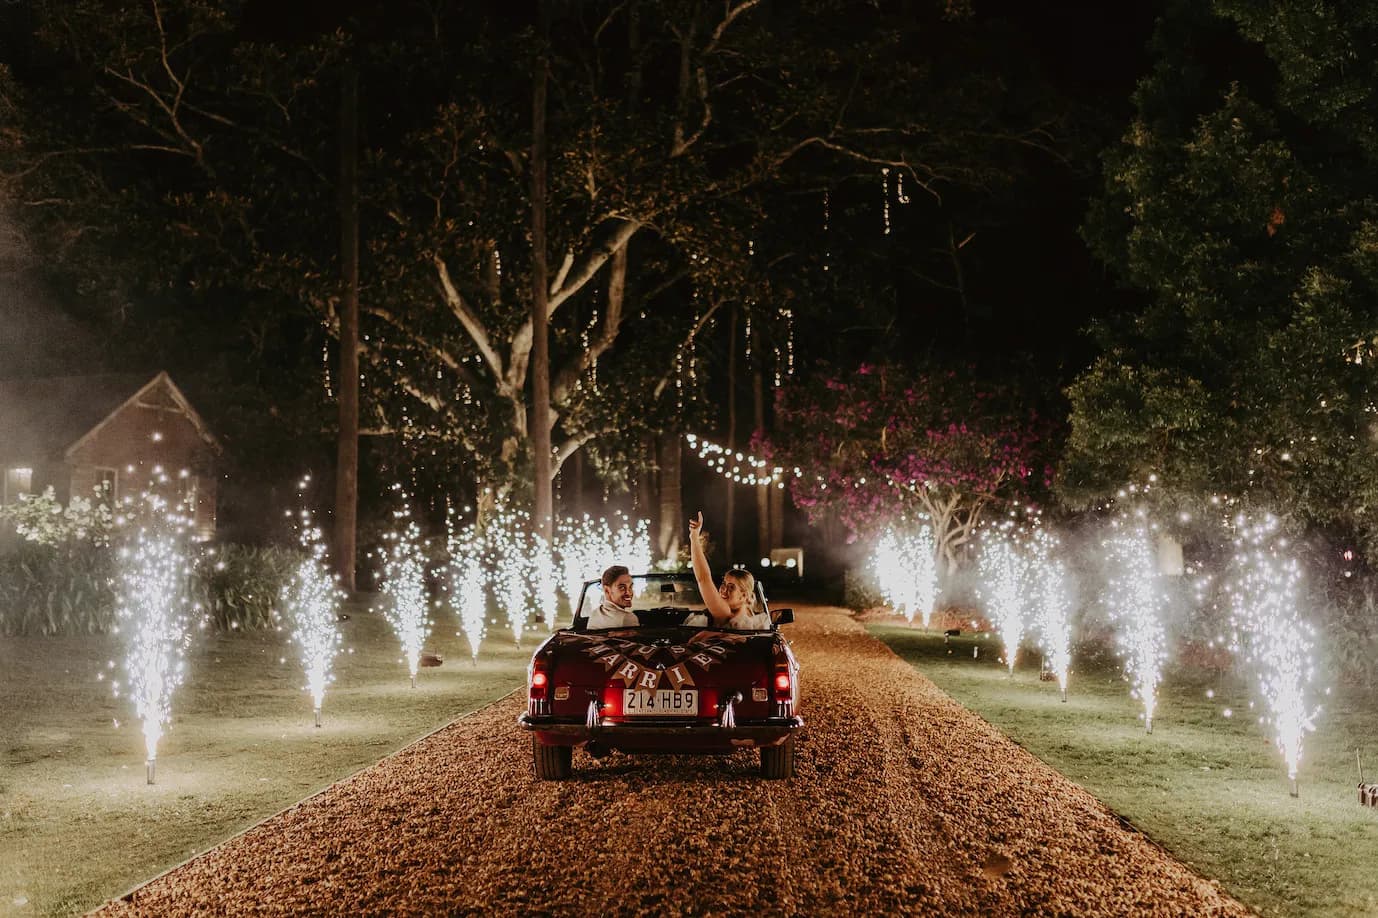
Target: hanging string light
[
  {"x": 325, "y": 367},
  {"x": 827, "y": 219},
  {"x": 899, "y": 187},
  {"x": 789, "y": 340},
  {"x": 738, "y": 466},
  {"x": 885, "y": 196},
  {"x": 693, "y": 372},
  {"x": 679, "y": 378}
]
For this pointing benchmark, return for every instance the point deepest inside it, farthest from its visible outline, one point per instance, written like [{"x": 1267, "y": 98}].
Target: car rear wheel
[
  {"x": 553, "y": 763},
  {"x": 778, "y": 761}
]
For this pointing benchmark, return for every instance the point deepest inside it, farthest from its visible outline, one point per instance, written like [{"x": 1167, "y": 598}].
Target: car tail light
[
  {"x": 540, "y": 682},
  {"x": 781, "y": 684}
]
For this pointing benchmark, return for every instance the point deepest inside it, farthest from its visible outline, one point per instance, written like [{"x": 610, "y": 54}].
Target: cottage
[{"x": 75, "y": 433}]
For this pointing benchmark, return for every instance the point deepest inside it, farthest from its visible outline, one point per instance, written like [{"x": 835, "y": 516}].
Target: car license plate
[{"x": 660, "y": 703}]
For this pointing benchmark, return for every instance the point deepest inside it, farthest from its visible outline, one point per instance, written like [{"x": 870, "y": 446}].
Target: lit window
[{"x": 18, "y": 481}]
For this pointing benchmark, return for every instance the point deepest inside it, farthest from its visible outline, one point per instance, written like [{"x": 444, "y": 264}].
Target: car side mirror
[{"x": 781, "y": 616}]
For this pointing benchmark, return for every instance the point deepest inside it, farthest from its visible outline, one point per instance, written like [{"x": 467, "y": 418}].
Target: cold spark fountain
[
  {"x": 510, "y": 551},
  {"x": 1003, "y": 570},
  {"x": 1052, "y": 607},
  {"x": 404, "y": 587},
  {"x": 1263, "y": 590},
  {"x": 586, "y": 546},
  {"x": 311, "y": 601},
  {"x": 466, "y": 583},
  {"x": 906, "y": 571},
  {"x": 1136, "y": 606},
  {"x": 154, "y": 613}
]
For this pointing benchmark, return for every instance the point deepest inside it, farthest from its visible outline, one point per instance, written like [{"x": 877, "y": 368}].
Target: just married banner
[{"x": 659, "y": 665}]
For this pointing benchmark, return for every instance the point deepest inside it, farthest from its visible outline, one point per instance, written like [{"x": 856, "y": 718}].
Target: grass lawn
[
  {"x": 1210, "y": 789},
  {"x": 79, "y": 824}
]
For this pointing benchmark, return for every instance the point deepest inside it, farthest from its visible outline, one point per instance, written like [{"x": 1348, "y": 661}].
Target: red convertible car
[{"x": 671, "y": 684}]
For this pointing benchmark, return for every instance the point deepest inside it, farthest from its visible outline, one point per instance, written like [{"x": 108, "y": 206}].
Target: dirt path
[{"x": 904, "y": 802}]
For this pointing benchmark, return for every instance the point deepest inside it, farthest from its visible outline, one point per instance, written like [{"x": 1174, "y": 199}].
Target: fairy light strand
[{"x": 738, "y": 466}]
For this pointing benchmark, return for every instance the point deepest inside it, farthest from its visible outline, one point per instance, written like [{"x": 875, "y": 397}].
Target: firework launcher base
[
  {"x": 1368, "y": 795},
  {"x": 318, "y": 718},
  {"x": 149, "y": 769},
  {"x": 1295, "y": 791}
]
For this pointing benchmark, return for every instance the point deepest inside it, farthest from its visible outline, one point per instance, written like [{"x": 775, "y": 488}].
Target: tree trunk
[
  {"x": 777, "y": 517},
  {"x": 574, "y": 485},
  {"x": 758, "y": 406},
  {"x": 730, "y": 516},
  {"x": 538, "y": 424},
  {"x": 672, "y": 517},
  {"x": 347, "y": 460}
]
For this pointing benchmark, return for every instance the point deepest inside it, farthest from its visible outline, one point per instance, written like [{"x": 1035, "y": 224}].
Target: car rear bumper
[{"x": 659, "y": 734}]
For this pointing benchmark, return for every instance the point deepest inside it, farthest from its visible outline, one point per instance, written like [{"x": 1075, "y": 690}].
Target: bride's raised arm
[{"x": 718, "y": 609}]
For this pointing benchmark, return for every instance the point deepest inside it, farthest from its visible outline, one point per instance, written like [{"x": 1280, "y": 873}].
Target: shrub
[
  {"x": 65, "y": 589},
  {"x": 237, "y": 586},
  {"x": 68, "y": 588},
  {"x": 42, "y": 519}
]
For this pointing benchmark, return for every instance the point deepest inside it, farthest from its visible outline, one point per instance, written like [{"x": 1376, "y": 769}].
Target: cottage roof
[{"x": 44, "y": 418}]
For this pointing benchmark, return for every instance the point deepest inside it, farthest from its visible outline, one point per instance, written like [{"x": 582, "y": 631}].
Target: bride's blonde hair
[{"x": 747, "y": 584}]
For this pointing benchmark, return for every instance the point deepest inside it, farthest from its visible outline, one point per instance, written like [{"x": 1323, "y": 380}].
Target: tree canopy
[
  {"x": 885, "y": 443},
  {"x": 1242, "y": 202}
]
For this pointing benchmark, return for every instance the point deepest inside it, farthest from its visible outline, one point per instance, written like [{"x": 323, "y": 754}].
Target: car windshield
[{"x": 651, "y": 591}]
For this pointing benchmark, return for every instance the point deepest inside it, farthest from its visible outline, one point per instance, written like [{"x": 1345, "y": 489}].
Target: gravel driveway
[{"x": 904, "y": 802}]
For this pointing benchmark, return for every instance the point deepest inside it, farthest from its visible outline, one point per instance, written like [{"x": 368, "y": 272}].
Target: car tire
[
  {"x": 778, "y": 761},
  {"x": 553, "y": 763}
]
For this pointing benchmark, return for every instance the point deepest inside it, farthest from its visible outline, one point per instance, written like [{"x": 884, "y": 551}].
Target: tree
[
  {"x": 884, "y": 443},
  {"x": 665, "y": 125},
  {"x": 1242, "y": 201}
]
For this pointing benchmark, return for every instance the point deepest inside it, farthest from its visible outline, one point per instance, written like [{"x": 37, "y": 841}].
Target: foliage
[
  {"x": 238, "y": 586},
  {"x": 57, "y": 589},
  {"x": 41, "y": 518},
  {"x": 884, "y": 442},
  {"x": 1243, "y": 201},
  {"x": 67, "y": 588},
  {"x": 205, "y": 132}
]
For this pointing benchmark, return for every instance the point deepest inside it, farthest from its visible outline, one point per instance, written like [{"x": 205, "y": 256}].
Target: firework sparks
[
  {"x": 1052, "y": 607},
  {"x": 465, "y": 582},
  {"x": 906, "y": 571},
  {"x": 1003, "y": 572},
  {"x": 543, "y": 566},
  {"x": 507, "y": 536},
  {"x": 587, "y": 546},
  {"x": 312, "y": 600},
  {"x": 1269, "y": 634},
  {"x": 404, "y": 586},
  {"x": 1136, "y": 605},
  {"x": 154, "y": 612}
]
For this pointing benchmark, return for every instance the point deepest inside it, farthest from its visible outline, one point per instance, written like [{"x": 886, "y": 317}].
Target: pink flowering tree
[{"x": 885, "y": 442}]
